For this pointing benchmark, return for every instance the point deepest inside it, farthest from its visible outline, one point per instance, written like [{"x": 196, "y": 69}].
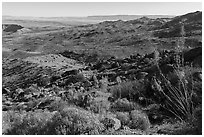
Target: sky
[{"x": 60, "y": 9}]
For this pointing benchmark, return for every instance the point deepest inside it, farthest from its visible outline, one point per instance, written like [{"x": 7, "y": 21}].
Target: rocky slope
[
  {"x": 192, "y": 24},
  {"x": 113, "y": 72}
]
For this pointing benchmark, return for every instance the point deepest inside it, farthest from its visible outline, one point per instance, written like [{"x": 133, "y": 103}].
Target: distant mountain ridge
[
  {"x": 127, "y": 17},
  {"x": 88, "y": 18},
  {"x": 72, "y": 21}
]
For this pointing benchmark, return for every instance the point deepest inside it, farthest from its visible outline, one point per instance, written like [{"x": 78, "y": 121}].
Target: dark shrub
[
  {"x": 130, "y": 90},
  {"x": 139, "y": 120}
]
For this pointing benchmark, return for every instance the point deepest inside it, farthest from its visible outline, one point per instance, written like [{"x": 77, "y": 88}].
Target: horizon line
[
  {"x": 98, "y": 15},
  {"x": 105, "y": 15}
]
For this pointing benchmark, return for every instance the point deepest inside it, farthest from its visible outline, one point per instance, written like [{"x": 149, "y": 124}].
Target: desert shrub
[
  {"x": 110, "y": 122},
  {"x": 100, "y": 105},
  {"x": 124, "y": 105},
  {"x": 68, "y": 121},
  {"x": 68, "y": 95},
  {"x": 75, "y": 121},
  {"x": 139, "y": 120},
  {"x": 27, "y": 123},
  {"x": 103, "y": 84},
  {"x": 123, "y": 117},
  {"x": 129, "y": 90},
  {"x": 58, "y": 104}
]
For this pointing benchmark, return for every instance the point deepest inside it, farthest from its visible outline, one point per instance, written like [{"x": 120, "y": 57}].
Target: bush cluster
[{"x": 68, "y": 121}]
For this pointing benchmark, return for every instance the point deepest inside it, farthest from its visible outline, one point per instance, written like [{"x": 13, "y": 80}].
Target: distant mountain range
[
  {"x": 95, "y": 17},
  {"x": 79, "y": 20},
  {"x": 127, "y": 17}
]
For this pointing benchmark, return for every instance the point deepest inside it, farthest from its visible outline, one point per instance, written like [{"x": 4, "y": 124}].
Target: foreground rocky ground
[
  {"x": 77, "y": 90},
  {"x": 113, "y": 90}
]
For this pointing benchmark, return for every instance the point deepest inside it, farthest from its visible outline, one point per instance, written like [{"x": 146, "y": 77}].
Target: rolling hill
[{"x": 119, "y": 76}]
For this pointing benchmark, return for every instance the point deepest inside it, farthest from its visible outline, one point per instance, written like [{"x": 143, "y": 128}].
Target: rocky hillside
[
  {"x": 118, "y": 38},
  {"x": 114, "y": 77},
  {"x": 192, "y": 24}
]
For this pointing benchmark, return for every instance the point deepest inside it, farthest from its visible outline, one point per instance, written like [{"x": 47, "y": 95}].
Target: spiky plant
[{"x": 178, "y": 97}]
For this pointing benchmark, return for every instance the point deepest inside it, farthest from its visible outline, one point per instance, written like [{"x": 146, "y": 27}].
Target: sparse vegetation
[{"x": 104, "y": 79}]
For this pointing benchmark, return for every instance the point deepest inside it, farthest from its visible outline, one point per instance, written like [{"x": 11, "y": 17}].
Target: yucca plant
[{"x": 178, "y": 97}]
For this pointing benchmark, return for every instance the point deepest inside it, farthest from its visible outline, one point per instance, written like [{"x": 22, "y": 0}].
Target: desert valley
[{"x": 102, "y": 75}]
